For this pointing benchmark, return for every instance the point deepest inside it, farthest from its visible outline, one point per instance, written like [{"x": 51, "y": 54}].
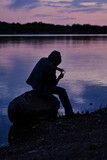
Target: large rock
[{"x": 30, "y": 108}]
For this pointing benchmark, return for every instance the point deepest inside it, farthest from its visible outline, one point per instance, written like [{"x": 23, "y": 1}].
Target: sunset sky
[{"x": 54, "y": 11}]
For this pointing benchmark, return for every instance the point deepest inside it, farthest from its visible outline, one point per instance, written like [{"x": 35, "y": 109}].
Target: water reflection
[
  {"x": 41, "y": 40},
  {"x": 85, "y": 93},
  {"x": 83, "y": 57},
  {"x": 83, "y": 60}
]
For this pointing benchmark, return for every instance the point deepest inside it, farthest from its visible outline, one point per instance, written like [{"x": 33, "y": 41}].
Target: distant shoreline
[
  {"x": 51, "y": 35},
  {"x": 43, "y": 28}
]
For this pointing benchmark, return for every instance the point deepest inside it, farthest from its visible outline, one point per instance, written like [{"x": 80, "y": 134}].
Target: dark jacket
[{"x": 44, "y": 72}]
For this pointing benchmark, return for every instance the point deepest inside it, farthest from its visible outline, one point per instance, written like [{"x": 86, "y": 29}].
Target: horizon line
[{"x": 52, "y": 23}]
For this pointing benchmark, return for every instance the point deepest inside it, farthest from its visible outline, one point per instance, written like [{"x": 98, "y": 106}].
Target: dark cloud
[
  {"x": 88, "y": 6},
  {"x": 76, "y": 3},
  {"x": 84, "y": 6},
  {"x": 70, "y": 6},
  {"x": 80, "y": 7},
  {"x": 20, "y": 3},
  {"x": 42, "y": 15},
  {"x": 85, "y": 10},
  {"x": 66, "y": 18},
  {"x": 52, "y": 5},
  {"x": 58, "y": 18},
  {"x": 57, "y": 4}
]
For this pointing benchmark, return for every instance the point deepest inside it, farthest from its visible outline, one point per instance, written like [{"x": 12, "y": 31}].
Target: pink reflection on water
[{"x": 84, "y": 60}]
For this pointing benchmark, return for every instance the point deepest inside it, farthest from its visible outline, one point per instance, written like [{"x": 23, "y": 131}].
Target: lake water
[{"x": 84, "y": 58}]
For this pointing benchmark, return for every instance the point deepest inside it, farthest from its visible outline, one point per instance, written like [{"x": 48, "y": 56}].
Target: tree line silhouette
[{"x": 43, "y": 28}]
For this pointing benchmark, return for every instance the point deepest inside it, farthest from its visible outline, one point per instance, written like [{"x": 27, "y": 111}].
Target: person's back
[{"x": 42, "y": 75}]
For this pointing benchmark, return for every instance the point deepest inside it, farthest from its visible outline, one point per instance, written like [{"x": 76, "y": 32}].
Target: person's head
[{"x": 55, "y": 58}]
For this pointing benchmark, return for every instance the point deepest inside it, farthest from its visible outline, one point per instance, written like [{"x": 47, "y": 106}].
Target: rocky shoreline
[{"x": 82, "y": 138}]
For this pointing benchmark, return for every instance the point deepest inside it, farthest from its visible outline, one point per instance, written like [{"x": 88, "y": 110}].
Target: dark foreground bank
[{"x": 80, "y": 138}]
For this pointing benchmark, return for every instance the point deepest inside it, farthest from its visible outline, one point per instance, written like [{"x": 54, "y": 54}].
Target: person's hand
[{"x": 61, "y": 76}]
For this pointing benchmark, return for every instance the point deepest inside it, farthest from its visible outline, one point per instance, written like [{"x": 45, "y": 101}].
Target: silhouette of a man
[{"x": 44, "y": 81}]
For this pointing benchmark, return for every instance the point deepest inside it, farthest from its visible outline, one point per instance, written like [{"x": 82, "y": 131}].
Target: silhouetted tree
[{"x": 43, "y": 28}]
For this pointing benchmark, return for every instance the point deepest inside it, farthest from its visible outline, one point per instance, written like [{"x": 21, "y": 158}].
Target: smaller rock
[{"x": 30, "y": 108}]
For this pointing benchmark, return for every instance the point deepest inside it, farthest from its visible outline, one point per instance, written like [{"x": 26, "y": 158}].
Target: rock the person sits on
[{"x": 30, "y": 108}]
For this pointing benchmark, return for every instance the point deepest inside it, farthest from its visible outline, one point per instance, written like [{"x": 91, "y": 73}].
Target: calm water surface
[{"x": 84, "y": 59}]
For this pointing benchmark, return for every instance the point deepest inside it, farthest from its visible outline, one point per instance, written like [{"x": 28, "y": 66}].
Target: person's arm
[
  {"x": 59, "y": 77},
  {"x": 50, "y": 74},
  {"x": 51, "y": 77},
  {"x": 59, "y": 69},
  {"x": 61, "y": 74}
]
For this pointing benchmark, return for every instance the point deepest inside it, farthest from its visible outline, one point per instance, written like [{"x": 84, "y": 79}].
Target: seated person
[{"x": 44, "y": 81}]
